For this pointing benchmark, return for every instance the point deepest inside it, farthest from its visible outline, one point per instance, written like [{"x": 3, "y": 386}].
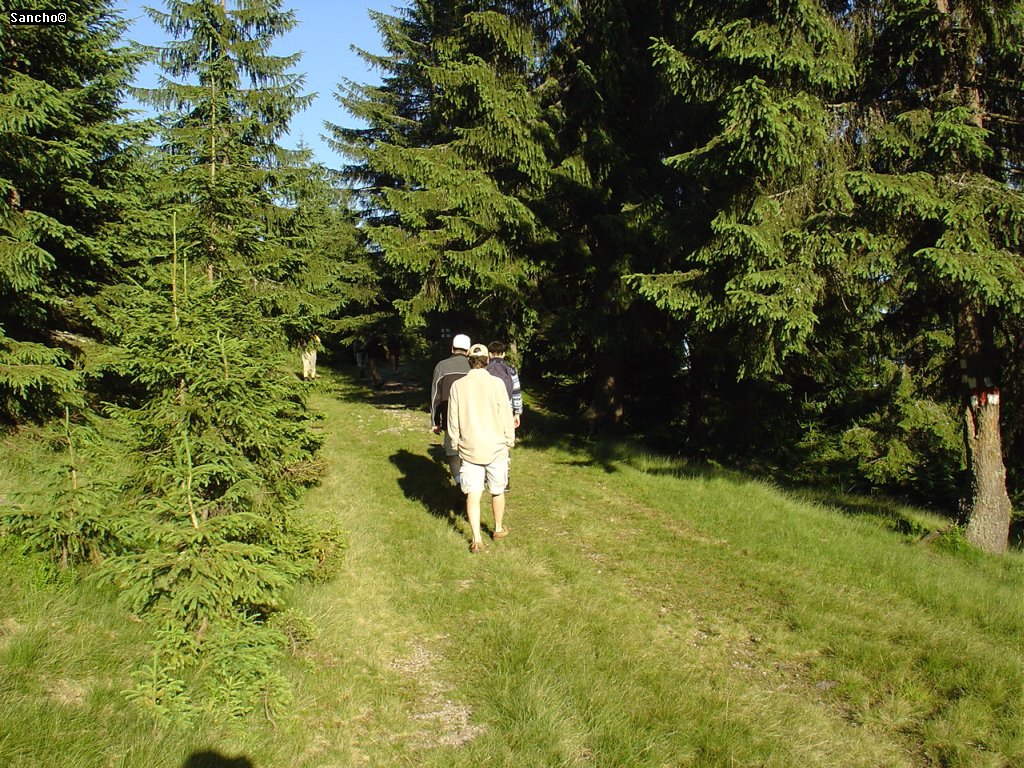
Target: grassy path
[
  {"x": 642, "y": 613},
  {"x": 639, "y": 615}
]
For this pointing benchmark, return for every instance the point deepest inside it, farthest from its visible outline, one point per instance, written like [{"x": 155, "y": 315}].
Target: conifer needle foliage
[
  {"x": 233, "y": 242},
  {"x": 77, "y": 519},
  {"x": 455, "y": 155},
  {"x": 864, "y": 166},
  {"x": 225, "y": 445},
  {"x": 64, "y": 151},
  {"x": 221, "y": 428}
]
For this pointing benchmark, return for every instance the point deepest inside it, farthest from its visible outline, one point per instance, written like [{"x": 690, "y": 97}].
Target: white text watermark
[{"x": 37, "y": 17}]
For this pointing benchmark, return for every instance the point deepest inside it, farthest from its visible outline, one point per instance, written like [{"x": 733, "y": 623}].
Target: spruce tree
[
  {"x": 454, "y": 156},
  {"x": 938, "y": 203},
  {"x": 327, "y": 285},
  {"x": 65, "y": 147},
  {"x": 762, "y": 273},
  {"x": 863, "y": 166},
  {"x": 766, "y": 77},
  {"x": 212, "y": 544},
  {"x": 614, "y": 208},
  {"x": 230, "y": 101}
]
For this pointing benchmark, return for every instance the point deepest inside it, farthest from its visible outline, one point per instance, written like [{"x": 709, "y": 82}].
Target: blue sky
[{"x": 325, "y": 32}]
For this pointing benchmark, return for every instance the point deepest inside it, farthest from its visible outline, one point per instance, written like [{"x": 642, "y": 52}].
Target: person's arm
[
  {"x": 435, "y": 394},
  {"x": 453, "y": 417},
  {"x": 506, "y": 419},
  {"x": 517, "y": 397}
]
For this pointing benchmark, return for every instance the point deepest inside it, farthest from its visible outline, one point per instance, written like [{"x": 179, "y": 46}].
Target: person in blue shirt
[{"x": 510, "y": 376}]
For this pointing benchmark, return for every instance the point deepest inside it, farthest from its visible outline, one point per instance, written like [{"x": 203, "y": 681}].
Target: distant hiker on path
[
  {"x": 480, "y": 427},
  {"x": 447, "y": 372},
  {"x": 359, "y": 350},
  {"x": 375, "y": 357},
  {"x": 394, "y": 345},
  {"x": 510, "y": 377},
  {"x": 309, "y": 349}
]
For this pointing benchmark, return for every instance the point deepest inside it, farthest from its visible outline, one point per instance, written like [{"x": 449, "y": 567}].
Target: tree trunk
[
  {"x": 698, "y": 367},
  {"x": 988, "y": 524},
  {"x": 988, "y": 508}
]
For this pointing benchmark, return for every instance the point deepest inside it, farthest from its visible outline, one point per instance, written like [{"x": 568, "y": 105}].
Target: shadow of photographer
[{"x": 212, "y": 759}]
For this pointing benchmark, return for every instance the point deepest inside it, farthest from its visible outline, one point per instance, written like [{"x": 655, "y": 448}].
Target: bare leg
[
  {"x": 473, "y": 513},
  {"x": 498, "y": 508}
]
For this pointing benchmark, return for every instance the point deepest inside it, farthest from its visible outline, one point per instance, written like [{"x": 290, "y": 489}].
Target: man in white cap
[
  {"x": 481, "y": 429},
  {"x": 446, "y": 373}
]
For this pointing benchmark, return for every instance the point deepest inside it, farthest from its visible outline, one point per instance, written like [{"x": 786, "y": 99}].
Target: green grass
[{"x": 642, "y": 613}]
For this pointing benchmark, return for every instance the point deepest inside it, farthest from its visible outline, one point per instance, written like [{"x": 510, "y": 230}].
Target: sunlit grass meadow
[{"x": 642, "y": 613}]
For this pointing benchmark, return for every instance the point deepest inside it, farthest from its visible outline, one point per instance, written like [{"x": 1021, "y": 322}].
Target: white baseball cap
[{"x": 461, "y": 341}]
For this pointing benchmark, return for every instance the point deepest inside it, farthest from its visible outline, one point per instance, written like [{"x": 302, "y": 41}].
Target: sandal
[
  {"x": 500, "y": 534},
  {"x": 476, "y": 547}
]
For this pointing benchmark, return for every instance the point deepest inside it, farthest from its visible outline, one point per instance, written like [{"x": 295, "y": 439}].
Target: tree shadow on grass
[
  {"x": 402, "y": 389},
  {"x": 611, "y": 454},
  {"x": 547, "y": 430},
  {"x": 408, "y": 390},
  {"x": 426, "y": 479},
  {"x": 905, "y": 518},
  {"x": 543, "y": 429},
  {"x": 212, "y": 759}
]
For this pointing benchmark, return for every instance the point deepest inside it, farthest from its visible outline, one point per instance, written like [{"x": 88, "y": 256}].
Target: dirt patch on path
[{"x": 446, "y": 723}]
